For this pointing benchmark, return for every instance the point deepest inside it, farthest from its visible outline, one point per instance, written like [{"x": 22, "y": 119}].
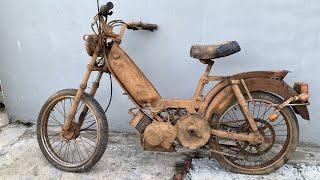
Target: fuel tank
[{"x": 131, "y": 77}]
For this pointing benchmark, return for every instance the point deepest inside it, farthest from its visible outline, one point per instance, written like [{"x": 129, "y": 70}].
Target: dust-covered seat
[{"x": 207, "y": 52}]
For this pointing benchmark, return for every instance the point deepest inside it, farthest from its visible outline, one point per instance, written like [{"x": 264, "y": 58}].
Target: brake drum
[{"x": 193, "y": 131}]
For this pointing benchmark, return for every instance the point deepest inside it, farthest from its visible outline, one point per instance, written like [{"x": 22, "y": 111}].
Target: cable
[{"x": 110, "y": 99}]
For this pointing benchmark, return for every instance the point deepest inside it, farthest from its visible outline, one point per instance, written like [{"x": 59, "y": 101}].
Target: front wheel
[
  {"x": 83, "y": 150},
  {"x": 280, "y": 137}
]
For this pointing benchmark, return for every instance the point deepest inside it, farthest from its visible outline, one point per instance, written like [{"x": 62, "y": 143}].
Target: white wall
[{"x": 42, "y": 49}]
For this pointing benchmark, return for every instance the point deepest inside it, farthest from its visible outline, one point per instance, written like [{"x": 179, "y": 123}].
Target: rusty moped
[{"x": 247, "y": 121}]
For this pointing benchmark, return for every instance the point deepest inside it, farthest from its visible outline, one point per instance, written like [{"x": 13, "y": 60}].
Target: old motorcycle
[{"x": 247, "y": 121}]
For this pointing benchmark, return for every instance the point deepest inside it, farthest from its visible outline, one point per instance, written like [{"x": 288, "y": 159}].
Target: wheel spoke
[
  {"x": 76, "y": 149},
  {"x": 260, "y": 154}
]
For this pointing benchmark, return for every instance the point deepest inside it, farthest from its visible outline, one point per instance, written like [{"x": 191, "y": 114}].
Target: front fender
[{"x": 225, "y": 96}]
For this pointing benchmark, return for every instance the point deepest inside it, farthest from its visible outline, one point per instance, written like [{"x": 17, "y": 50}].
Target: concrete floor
[{"x": 20, "y": 158}]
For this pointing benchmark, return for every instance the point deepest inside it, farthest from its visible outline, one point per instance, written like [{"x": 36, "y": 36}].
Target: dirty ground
[{"x": 20, "y": 158}]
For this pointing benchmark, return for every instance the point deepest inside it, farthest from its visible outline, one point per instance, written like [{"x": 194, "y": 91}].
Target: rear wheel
[
  {"x": 281, "y": 136},
  {"x": 81, "y": 151}
]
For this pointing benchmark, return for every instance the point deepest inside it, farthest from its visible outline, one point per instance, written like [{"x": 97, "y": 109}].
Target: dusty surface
[
  {"x": 207, "y": 169},
  {"x": 20, "y": 158}
]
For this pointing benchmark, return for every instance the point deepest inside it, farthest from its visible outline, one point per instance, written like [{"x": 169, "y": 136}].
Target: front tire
[
  {"x": 271, "y": 160},
  {"x": 83, "y": 151}
]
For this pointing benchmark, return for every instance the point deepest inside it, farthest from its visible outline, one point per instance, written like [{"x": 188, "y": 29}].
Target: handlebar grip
[{"x": 147, "y": 26}]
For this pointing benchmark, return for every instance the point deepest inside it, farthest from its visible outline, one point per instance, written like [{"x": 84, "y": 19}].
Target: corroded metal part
[
  {"x": 193, "y": 131},
  {"x": 91, "y": 42},
  {"x": 131, "y": 77},
  {"x": 140, "y": 121},
  {"x": 80, "y": 91},
  {"x": 192, "y": 128},
  {"x": 148, "y": 147},
  {"x": 251, "y": 137},
  {"x": 300, "y": 87},
  {"x": 223, "y": 95},
  {"x": 303, "y": 97},
  {"x": 243, "y": 104},
  {"x": 160, "y": 134}
]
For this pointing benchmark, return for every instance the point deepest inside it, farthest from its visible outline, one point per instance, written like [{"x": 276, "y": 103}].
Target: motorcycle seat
[{"x": 208, "y": 52}]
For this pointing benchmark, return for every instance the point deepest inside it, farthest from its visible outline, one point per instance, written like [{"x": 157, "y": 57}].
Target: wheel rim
[
  {"x": 279, "y": 129},
  {"x": 74, "y": 152}
]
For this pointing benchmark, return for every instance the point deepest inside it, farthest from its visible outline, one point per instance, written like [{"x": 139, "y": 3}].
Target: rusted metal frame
[
  {"x": 291, "y": 99},
  {"x": 81, "y": 89},
  {"x": 247, "y": 90},
  {"x": 122, "y": 30},
  {"x": 126, "y": 92},
  {"x": 95, "y": 86},
  {"x": 284, "y": 104},
  {"x": 108, "y": 33},
  {"x": 103, "y": 24},
  {"x": 244, "y": 106},
  {"x": 303, "y": 97},
  {"x": 135, "y": 102},
  {"x": 217, "y": 78},
  {"x": 225, "y": 82},
  {"x": 188, "y": 104},
  {"x": 301, "y": 104},
  {"x": 238, "y": 136},
  {"x": 271, "y": 74},
  {"x": 202, "y": 82},
  {"x": 221, "y": 95}
]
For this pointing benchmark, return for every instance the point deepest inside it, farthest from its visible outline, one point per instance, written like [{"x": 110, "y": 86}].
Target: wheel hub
[
  {"x": 72, "y": 133},
  {"x": 255, "y": 149},
  {"x": 193, "y": 131}
]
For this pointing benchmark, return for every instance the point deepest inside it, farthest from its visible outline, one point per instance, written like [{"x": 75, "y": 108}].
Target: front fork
[
  {"x": 245, "y": 109},
  {"x": 68, "y": 121}
]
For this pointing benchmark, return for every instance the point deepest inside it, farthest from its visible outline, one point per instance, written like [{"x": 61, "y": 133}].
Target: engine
[
  {"x": 160, "y": 134},
  {"x": 191, "y": 131}
]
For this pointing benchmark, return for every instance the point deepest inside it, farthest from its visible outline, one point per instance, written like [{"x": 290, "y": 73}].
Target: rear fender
[{"x": 225, "y": 95}]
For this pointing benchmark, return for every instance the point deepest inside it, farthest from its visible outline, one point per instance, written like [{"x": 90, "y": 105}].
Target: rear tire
[
  {"x": 63, "y": 162},
  {"x": 271, "y": 165}
]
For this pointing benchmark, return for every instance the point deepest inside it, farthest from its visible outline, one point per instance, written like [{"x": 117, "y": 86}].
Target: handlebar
[
  {"x": 148, "y": 26},
  {"x": 141, "y": 25}
]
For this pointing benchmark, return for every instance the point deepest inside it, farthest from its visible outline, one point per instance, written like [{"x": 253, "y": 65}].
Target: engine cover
[
  {"x": 193, "y": 131},
  {"x": 160, "y": 134}
]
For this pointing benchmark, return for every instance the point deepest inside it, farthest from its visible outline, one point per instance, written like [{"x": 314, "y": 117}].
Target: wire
[
  {"x": 93, "y": 30},
  {"x": 110, "y": 98}
]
